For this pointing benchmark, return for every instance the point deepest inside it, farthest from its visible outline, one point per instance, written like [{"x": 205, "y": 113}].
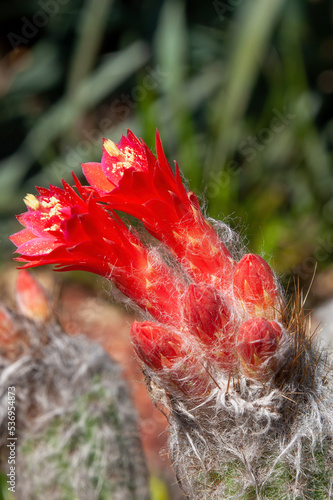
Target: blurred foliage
[
  {"x": 5, "y": 494},
  {"x": 240, "y": 90}
]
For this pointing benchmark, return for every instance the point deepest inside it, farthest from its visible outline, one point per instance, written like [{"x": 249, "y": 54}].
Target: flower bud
[
  {"x": 161, "y": 350},
  {"x": 31, "y": 298},
  {"x": 257, "y": 344},
  {"x": 255, "y": 287},
  {"x": 157, "y": 346},
  {"x": 206, "y": 312}
]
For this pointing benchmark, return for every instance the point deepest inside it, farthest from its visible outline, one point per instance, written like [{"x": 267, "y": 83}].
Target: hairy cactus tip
[{"x": 246, "y": 387}]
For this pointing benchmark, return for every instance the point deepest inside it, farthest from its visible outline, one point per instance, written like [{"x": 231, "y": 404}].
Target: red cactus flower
[
  {"x": 129, "y": 154},
  {"x": 31, "y": 298},
  {"x": 255, "y": 287},
  {"x": 130, "y": 178},
  {"x": 72, "y": 231},
  {"x": 257, "y": 344}
]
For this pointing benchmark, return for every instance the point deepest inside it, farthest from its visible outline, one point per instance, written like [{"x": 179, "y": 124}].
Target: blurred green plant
[
  {"x": 4, "y": 493},
  {"x": 240, "y": 92}
]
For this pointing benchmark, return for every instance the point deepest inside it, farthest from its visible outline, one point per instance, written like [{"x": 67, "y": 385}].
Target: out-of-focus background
[{"x": 241, "y": 91}]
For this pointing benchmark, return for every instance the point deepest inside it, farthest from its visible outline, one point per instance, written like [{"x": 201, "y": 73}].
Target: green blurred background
[{"x": 241, "y": 91}]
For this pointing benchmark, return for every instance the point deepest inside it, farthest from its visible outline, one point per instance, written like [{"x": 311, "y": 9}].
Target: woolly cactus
[
  {"x": 76, "y": 427},
  {"x": 247, "y": 391}
]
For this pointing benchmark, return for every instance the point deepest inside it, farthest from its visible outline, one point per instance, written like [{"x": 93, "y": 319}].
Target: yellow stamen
[
  {"x": 111, "y": 148},
  {"x": 55, "y": 227},
  {"x": 54, "y": 208},
  {"x": 31, "y": 202},
  {"x": 126, "y": 158},
  {"x": 130, "y": 155}
]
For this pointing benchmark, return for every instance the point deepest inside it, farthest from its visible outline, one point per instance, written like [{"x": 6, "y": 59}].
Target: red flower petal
[
  {"x": 38, "y": 247},
  {"x": 94, "y": 174},
  {"x": 22, "y": 237}
]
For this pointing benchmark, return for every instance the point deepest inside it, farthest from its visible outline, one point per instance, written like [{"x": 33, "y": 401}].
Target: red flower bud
[
  {"x": 206, "y": 312},
  {"x": 255, "y": 287},
  {"x": 257, "y": 344},
  {"x": 208, "y": 317},
  {"x": 31, "y": 298},
  {"x": 161, "y": 350},
  {"x": 157, "y": 346}
]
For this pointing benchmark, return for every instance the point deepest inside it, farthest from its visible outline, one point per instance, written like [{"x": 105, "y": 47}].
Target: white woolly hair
[
  {"x": 244, "y": 439},
  {"x": 249, "y": 440}
]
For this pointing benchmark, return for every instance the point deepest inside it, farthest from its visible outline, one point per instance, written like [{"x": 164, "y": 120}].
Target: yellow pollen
[
  {"x": 126, "y": 158},
  {"x": 31, "y": 202},
  {"x": 111, "y": 148},
  {"x": 54, "y": 207},
  {"x": 55, "y": 227},
  {"x": 130, "y": 157}
]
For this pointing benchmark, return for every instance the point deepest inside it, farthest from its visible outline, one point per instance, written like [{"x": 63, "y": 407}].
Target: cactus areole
[{"x": 247, "y": 390}]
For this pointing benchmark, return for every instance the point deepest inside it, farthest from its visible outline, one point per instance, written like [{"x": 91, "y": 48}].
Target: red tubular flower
[
  {"x": 130, "y": 178},
  {"x": 31, "y": 298},
  {"x": 256, "y": 288},
  {"x": 72, "y": 231},
  {"x": 257, "y": 344}
]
